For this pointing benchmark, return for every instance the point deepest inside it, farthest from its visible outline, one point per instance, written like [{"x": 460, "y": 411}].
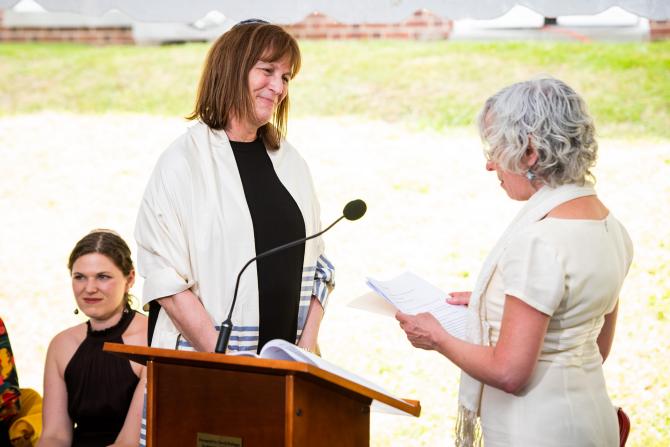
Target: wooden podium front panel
[
  {"x": 325, "y": 416},
  {"x": 186, "y": 400}
]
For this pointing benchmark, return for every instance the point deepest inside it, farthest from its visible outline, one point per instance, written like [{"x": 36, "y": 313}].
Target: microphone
[{"x": 353, "y": 210}]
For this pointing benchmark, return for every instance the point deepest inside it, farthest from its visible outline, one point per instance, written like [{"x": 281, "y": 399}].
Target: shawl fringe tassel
[{"x": 468, "y": 432}]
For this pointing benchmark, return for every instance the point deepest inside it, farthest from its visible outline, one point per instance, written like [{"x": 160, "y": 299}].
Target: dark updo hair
[{"x": 108, "y": 243}]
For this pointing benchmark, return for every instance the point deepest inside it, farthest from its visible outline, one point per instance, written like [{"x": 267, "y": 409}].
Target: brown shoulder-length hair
[{"x": 224, "y": 87}]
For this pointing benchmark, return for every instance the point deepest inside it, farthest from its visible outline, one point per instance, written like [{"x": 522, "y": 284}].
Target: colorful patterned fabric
[
  {"x": 9, "y": 380},
  {"x": 26, "y": 428}
]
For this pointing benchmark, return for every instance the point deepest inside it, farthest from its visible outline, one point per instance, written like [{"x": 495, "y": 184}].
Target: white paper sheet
[{"x": 413, "y": 295}]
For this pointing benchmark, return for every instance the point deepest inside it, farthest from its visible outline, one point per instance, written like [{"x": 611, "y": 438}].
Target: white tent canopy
[{"x": 360, "y": 11}]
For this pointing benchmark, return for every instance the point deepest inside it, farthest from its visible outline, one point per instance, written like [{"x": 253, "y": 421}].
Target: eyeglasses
[{"x": 251, "y": 21}]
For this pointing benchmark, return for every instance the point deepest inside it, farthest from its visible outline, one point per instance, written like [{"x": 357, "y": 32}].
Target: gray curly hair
[{"x": 547, "y": 115}]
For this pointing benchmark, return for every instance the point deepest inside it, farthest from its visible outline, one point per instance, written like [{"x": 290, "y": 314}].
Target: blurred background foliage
[{"x": 426, "y": 85}]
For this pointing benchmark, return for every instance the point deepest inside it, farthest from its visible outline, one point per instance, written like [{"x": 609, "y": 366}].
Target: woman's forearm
[
  {"x": 191, "y": 319},
  {"x": 482, "y": 363},
  {"x": 507, "y": 366},
  {"x": 310, "y": 332},
  {"x": 52, "y": 441},
  {"x": 130, "y": 432},
  {"x": 510, "y": 364}
]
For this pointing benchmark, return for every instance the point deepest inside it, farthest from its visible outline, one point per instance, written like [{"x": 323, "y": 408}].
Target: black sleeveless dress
[{"x": 100, "y": 387}]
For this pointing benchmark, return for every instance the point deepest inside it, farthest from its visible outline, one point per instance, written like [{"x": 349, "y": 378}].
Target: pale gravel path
[{"x": 432, "y": 209}]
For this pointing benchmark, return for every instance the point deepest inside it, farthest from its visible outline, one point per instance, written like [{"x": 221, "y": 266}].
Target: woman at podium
[
  {"x": 228, "y": 189},
  {"x": 93, "y": 398}
]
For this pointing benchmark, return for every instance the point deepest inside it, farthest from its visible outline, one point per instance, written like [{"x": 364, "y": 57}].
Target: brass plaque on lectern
[{"x": 210, "y": 440}]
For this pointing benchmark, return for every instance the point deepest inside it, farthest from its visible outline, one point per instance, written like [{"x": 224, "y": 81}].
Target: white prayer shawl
[
  {"x": 468, "y": 432},
  {"x": 194, "y": 231}
]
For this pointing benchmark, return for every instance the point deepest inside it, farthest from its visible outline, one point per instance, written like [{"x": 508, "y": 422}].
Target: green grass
[
  {"x": 430, "y": 85},
  {"x": 442, "y": 84}
]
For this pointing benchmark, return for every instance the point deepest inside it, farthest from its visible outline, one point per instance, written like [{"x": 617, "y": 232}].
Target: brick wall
[
  {"x": 422, "y": 25},
  {"x": 95, "y": 36},
  {"x": 659, "y": 30}
]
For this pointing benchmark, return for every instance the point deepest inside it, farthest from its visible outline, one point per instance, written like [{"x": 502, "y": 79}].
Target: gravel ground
[{"x": 432, "y": 209}]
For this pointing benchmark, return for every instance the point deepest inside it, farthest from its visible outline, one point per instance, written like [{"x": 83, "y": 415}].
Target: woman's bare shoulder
[
  {"x": 71, "y": 335},
  {"x": 65, "y": 343}
]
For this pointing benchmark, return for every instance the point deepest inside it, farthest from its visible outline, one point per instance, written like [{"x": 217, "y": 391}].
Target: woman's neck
[
  {"x": 100, "y": 324},
  {"x": 241, "y": 131}
]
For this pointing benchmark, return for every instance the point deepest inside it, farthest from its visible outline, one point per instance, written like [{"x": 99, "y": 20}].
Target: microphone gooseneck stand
[{"x": 352, "y": 211}]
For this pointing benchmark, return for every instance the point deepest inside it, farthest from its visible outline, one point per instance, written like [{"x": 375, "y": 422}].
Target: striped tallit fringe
[{"x": 468, "y": 431}]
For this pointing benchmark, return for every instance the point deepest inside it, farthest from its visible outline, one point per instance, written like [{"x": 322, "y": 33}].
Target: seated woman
[{"x": 93, "y": 398}]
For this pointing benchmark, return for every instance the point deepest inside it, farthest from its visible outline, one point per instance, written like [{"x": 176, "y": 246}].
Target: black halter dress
[{"x": 100, "y": 387}]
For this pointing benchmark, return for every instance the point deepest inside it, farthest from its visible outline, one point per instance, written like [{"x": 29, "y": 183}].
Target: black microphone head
[{"x": 355, "y": 209}]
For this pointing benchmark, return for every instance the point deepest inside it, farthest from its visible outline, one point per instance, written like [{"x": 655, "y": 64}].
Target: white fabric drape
[
  {"x": 470, "y": 391},
  {"x": 194, "y": 231},
  {"x": 352, "y": 11}
]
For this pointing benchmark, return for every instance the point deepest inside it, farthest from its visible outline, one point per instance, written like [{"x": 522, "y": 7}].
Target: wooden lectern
[{"x": 215, "y": 400}]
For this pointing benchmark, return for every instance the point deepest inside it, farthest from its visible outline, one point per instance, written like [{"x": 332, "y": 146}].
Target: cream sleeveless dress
[{"x": 571, "y": 270}]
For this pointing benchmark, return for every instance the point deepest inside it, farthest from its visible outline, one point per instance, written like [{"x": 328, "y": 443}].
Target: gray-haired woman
[{"x": 543, "y": 310}]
